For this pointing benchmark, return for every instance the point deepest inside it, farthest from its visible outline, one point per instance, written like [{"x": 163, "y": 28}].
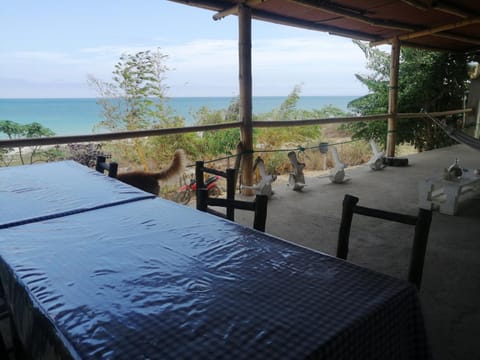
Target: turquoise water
[{"x": 78, "y": 116}]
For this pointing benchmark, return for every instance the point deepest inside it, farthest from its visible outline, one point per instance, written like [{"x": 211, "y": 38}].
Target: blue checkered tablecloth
[
  {"x": 35, "y": 192},
  {"x": 152, "y": 279}
]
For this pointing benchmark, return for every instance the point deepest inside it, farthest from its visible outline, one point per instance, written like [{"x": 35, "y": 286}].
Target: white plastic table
[{"x": 436, "y": 193}]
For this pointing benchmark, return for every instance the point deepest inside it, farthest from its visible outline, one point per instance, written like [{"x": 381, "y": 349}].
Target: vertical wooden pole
[
  {"x": 238, "y": 160},
  {"x": 245, "y": 81},
  {"x": 260, "y": 217},
  {"x": 201, "y": 199},
  {"x": 393, "y": 98},
  {"x": 230, "y": 212},
  {"x": 349, "y": 203},
  {"x": 419, "y": 248}
]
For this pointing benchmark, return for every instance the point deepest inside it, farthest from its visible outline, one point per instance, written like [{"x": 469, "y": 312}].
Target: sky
[{"x": 49, "y": 48}]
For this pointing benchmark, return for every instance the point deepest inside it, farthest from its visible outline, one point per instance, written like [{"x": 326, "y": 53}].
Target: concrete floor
[{"x": 450, "y": 291}]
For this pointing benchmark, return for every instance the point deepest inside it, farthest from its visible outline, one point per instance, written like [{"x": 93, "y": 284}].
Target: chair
[
  {"x": 10, "y": 345},
  {"x": 102, "y": 165},
  {"x": 376, "y": 162},
  {"x": 422, "y": 226},
  {"x": 5, "y": 350},
  {"x": 337, "y": 175},
  {"x": 264, "y": 186},
  {"x": 258, "y": 206},
  {"x": 297, "y": 178}
]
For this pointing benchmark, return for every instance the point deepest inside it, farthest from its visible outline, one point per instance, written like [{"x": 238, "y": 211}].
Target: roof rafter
[
  {"x": 355, "y": 15},
  {"x": 453, "y": 10},
  {"x": 267, "y": 16},
  {"x": 418, "y": 23},
  {"x": 440, "y": 6},
  {"x": 413, "y": 33},
  {"x": 234, "y": 9},
  {"x": 456, "y": 37},
  {"x": 436, "y": 31},
  {"x": 417, "y": 4}
]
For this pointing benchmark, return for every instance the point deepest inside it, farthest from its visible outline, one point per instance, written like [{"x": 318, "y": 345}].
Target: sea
[{"x": 79, "y": 116}]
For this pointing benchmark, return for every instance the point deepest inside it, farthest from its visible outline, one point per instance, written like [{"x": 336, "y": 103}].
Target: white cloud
[
  {"x": 304, "y": 51},
  {"x": 325, "y": 65}
]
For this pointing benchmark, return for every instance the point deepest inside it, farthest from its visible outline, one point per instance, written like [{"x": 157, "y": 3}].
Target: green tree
[
  {"x": 14, "y": 130},
  {"x": 271, "y": 138},
  {"x": 219, "y": 142},
  {"x": 135, "y": 99},
  {"x": 428, "y": 81}
]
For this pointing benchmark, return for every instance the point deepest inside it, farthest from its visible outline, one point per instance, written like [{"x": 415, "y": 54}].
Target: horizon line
[{"x": 176, "y": 97}]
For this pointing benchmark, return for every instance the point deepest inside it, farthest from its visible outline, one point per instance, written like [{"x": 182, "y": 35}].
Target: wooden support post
[
  {"x": 419, "y": 249},
  {"x": 349, "y": 203},
  {"x": 238, "y": 161},
  {"x": 393, "y": 98},
  {"x": 102, "y": 165},
  {"x": 245, "y": 81},
  {"x": 260, "y": 217},
  {"x": 201, "y": 199},
  {"x": 230, "y": 211}
]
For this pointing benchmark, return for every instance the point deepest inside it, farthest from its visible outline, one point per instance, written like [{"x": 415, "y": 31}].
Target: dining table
[{"x": 92, "y": 268}]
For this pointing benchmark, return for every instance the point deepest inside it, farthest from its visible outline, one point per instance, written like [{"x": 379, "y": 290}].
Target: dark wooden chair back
[
  {"x": 10, "y": 345},
  {"x": 258, "y": 206},
  {"x": 422, "y": 227},
  {"x": 102, "y": 165}
]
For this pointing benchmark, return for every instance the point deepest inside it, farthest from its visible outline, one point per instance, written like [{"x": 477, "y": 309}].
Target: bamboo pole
[
  {"x": 70, "y": 139},
  {"x": 234, "y": 9},
  {"x": 446, "y": 8},
  {"x": 441, "y": 28},
  {"x": 245, "y": 83},
  {"x": 435, "y": 31},
  {"x": 393, "y": 98},
  {"x": 349, "y": 13},
  {"x": 221, "y": 14},
  {"x": 57, "y": 140}
]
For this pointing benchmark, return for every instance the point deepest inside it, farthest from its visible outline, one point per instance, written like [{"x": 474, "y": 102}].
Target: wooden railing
[{"x": 56, "y": 140}]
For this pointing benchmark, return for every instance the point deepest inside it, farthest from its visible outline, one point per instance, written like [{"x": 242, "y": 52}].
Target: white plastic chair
[
  {"x": 377, "y": 160},
  {"x": 264, "y": 187},
  {"x": 296, "y": 179},
  {"x": 337, "y": 175}
]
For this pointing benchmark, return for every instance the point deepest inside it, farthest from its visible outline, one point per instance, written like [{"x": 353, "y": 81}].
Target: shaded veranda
[{"x": 450, "y": 291}]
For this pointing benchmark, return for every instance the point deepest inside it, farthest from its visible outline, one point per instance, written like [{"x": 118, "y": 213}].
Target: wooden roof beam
[
  {"x": 234, "y": 9},
  {"x": 416, "y": 4},
  {"x": 277, "y": 19},
  {"x": 453, "y": 10},
  {"x": 434, "y": 31},
  {"x": 221, "y": 14},
  {"x": 461, "y": 38},
  {"x": 284, "y": 20},
  {"x": 356, "y": 15},
  {"x": 440, "y": 6}
]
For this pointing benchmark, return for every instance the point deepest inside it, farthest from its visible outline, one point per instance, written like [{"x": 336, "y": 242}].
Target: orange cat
[{"x": 148, "y": 181}]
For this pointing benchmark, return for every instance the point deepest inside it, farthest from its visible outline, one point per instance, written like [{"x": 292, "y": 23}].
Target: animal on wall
[{"x": 148, "y": 181}]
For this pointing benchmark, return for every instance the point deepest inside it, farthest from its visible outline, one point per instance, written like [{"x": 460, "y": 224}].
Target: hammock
[{"x": 458, "y": 136}]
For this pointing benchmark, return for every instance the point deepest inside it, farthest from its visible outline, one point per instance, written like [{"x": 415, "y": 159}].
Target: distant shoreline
[
  {"x": 74, "y": 116},
  {"x": 181, "y": 97}
]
